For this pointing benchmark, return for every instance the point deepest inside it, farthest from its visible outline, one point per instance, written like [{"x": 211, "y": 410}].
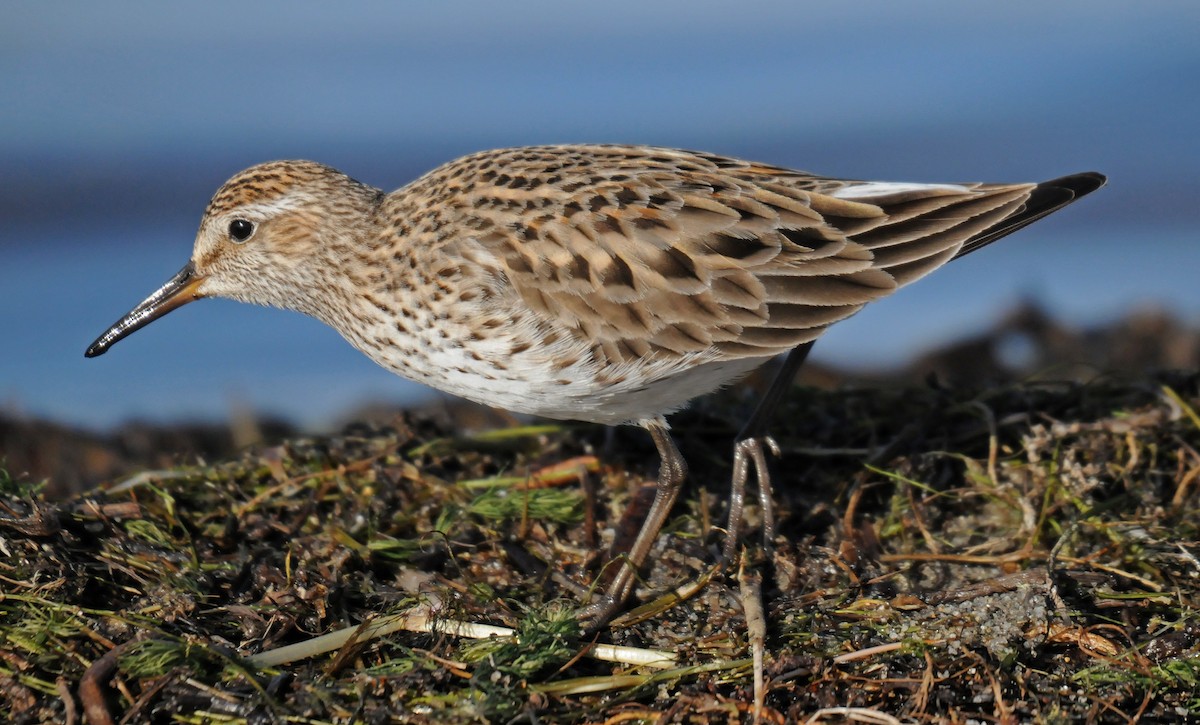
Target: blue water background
[{"x": 118, "y": 121}]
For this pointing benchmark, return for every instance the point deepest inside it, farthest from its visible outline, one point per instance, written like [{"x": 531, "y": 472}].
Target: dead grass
[{"x": 1027, "y": 553}]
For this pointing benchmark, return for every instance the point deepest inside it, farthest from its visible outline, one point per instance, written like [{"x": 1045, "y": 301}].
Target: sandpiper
[{"x": 610, "y": 284}]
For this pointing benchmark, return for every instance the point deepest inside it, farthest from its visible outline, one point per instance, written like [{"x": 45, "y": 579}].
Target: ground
[{"x": 1012, "y": 554}]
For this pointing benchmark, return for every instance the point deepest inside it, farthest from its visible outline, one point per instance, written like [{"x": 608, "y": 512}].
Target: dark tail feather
[{"x": 1046, "y": 198}]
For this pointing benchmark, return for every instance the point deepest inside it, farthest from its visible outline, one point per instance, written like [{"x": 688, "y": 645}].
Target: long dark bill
[{"x": 178, "y": 291}]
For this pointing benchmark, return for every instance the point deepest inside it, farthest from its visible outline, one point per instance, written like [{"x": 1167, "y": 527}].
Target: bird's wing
[{"x": 647, "y": 253}]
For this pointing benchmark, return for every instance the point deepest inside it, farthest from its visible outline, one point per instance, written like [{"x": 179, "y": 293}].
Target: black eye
[{"x": 240, "y": 230}]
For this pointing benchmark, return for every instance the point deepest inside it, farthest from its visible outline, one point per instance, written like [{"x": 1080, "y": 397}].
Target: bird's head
[{"x": 267, "y": 237}]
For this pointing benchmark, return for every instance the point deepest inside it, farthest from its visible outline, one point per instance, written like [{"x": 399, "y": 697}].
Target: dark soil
[{"x": 1021, "y": 553}]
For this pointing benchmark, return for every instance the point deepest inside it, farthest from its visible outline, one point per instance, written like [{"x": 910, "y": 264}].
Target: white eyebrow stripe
[
  {"x": 269, "y": 208},
  {"x": 263, "y": 209},
  {"x": 869, "y": 189}
]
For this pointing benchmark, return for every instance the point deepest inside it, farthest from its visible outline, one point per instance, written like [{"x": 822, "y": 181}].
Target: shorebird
[{"x": 610, "y": 284}]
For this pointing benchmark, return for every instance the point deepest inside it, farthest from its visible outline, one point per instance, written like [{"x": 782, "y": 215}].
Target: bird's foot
[{"x": 747, "y": 452}]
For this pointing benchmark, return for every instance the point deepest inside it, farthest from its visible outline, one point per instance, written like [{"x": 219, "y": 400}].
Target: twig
[
  {"x": 420, "y": 619},
  {"x": 750, "y": 596}
]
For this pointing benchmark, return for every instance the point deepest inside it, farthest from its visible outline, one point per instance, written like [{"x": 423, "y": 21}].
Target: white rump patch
[{"x": 872, "y": 189}]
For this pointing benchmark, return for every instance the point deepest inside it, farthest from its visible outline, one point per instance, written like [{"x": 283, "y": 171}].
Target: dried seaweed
[{"x": 1022, "y": 553}]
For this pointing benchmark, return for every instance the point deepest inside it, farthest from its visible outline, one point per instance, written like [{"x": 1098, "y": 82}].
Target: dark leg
[
  {"x": 671, "y": 472},
  {"x": 749, "y": 448}
]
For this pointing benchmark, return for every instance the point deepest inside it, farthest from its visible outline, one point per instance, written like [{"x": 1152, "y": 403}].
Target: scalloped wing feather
[{"x": 649, "y": 254}]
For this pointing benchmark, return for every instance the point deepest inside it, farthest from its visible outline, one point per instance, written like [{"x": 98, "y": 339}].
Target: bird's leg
[
  {"x": 749, "y": 448},
  {"x": 671, "y": 472}
]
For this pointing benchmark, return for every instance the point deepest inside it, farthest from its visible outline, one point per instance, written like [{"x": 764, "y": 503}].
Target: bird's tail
[{"x": 1046, "y": 198}]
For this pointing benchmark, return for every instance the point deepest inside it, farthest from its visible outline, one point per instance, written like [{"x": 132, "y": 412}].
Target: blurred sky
[{"x": 119, "y": 120}]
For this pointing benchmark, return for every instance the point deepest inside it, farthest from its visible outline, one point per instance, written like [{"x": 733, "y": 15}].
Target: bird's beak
[{"x": 181, "y": 289}]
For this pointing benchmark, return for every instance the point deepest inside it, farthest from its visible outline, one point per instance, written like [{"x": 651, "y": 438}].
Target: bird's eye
[{"x": 240, "y": 230}]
